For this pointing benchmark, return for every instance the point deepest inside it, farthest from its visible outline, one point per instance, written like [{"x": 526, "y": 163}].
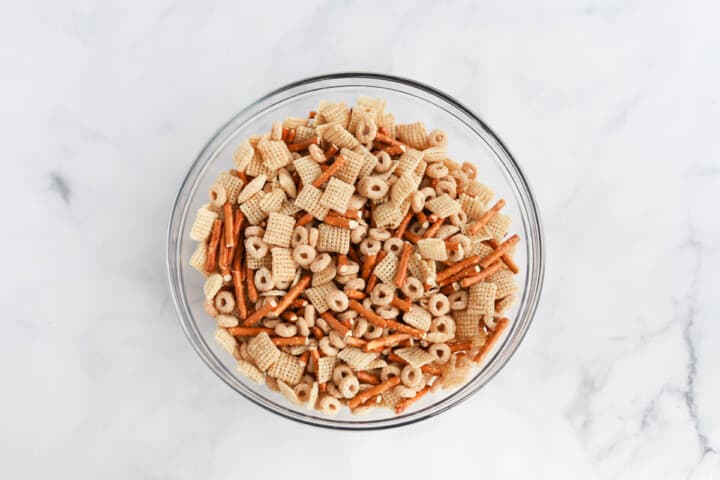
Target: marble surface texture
[{"x": 612, "y": 109}]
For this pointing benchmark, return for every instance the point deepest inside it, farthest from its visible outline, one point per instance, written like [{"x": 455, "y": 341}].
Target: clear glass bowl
[{"x": 470, "y": 140}]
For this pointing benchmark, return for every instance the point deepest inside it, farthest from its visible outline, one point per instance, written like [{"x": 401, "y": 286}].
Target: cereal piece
[
  {"x": 326, "y": 365},
  {"x": 308, "y": 169},
  {"x": 288, "y": 392},
  {"x": 225, "y": 340},
  {"x": 403, "y": 187},
  {"x": 333, "y": 239},
  {"x": 330, "y": 112},
  {"x": 250, "y": 371},
  {"x": 309, "y": 200},
  {"x": 388, "y": 214},
  {"x": 481, "y": 299},
  {"x": 287, "y": 368},
  {"x": 275, "y": 153},
  {"x": 243, "y": 155},
  {"x": 257, "y": 263},
  {"x": 390, "y": 398},
  {"x": 505, "y": 303},
  {"x": 288, "y": 208},
  {"x": 337, "y": 195},
  {"x": 369, "y": 164},
  {"x": 337, "y": 135},
  {"x": 279, "y": 229},
  {"x": 212, "y": 286},
  {"x": 350, "y": 170},
  {"x": 313, "y": 395},
  {"x": 424, "y": 270},
  {"x": 480, "y": 191},
  {"x": 324, "y": 276},
  {"x": 467, "y": 324},
  {"x": 412, "y": 134},
  {"x": 232, "y": 185},
  {"x": 504, "y": 280},
  {"x": 498, "y": 226},
  {"x": 203, "y": 224},
  {"x": 418, "y": 317},
  {"x": 283, "y": 265},
  {"x": 263, "y": 351},
  {"x": 272, "y": 201},
  {"x": 256, "y": 167},
  {"x": 386, "y": 269},
  {"x": 251, "y": 209},
  {"x": 417, "y": 357},
  {"x": 455, "y": 377},
  {"x": 318, "y": 296},
  {"x": 479, "y": 248},
  {"x": 443, "y": 206},
  {"x": 432, "y": 249},
  {"x": 303, "y": 133},
  {"x": 356, "y": 357},
  {"x": 329, "y": 405},
  {"x": 446, "y": 231},
  {"x": 472, "y": 206},
  {"x": 199, "y": 257},
  {"x": 408, "y": 161},
  {"x": 254, "y": 186}
]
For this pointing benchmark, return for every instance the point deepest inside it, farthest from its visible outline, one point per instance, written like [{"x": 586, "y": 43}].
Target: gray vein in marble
[
  {"x": 689, "y": 395},
  {"x": 624, "y": 110},
  {"x": 59, "y": 185}
]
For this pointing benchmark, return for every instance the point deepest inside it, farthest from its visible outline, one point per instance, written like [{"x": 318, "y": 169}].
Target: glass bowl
[{"x": 470, "y": 140}]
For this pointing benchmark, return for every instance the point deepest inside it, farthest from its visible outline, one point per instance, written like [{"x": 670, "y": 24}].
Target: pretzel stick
[
  {"x": 335, "y": 324},
  {"x": 355, "y": 294},
  {"x": 400, "y": 231},
  {"x": 341, "y": 222},
  {"x": 506, "y": 258},
  {"x": 491, "y": 340},
  {"x": 460, "y": 346},
  {"x": 211, "y": 261},
  {"x": 502, "y": 249},
  {"x": 289, "y": 316},
  {"x": 248, "y": 331},
  {"x": 282, "y": 341},
  {"x": 467, "y": 272},
  {"x": 314, "y": 358},
  {"x": 330, "y": 152},
  {"x": 366, "y": 395},
  {"x": 366, "y": 377},
  {"x": 412, "y": 237},
  {"x": 355, "y": 342},
  {"x": 299, "y": 303},
  {"x": 372, "y": 280},
  {"x": 304, "y": 357},
  {"x": 352, "y": 214},
  {"x": 368, "y": 266},
  {"x": 229, "y": 229},
  {"x": 450, "y": 289},
  {"x": 332, "y": 169},
  {"x": 304, "y": 220},
  {"x": 386, "y": 139},
  {"x": 258, "y": 314},
  {"x": 455, "y": 268},
  {"x": 291, "y": 135},
  {"x": 401, "y": 304},
  {"x": 403, "y": 404},
  {"x": 317, "y": 333},
  {"x": 354, "y": 255},
  {"x": 312, "y": 114},
  {"x": 486, "y": 217},
  {"x": 292, "y": 294},
  {"x": 251, "y": 291},
  {"x": 239, "y": 293},
  {"x": 401, "y": 274},
  {"x": 422, "y": 218},
  {"x": 383, "y": 342},
  {"x": 468, "y": 281},
  {"x": 300, "y": 146},
  {"x": 223, "y": 263},
  {"x": 395, "y": 150},
  {"x": 401, "y": 327},
  {"x": 430, "y": 232},
  {"x": 369, "y": 315}
]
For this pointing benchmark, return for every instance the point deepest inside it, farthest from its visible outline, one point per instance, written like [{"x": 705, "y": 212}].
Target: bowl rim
[{"x": 539, "y": 263}]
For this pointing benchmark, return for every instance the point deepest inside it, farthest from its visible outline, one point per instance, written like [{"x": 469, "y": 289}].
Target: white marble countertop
[{"x": 612, "y": 108}]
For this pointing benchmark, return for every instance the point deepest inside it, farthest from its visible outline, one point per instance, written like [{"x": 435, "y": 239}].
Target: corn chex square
[
  {"x": 251, "y": 209},
  {"x": 481, "y": 298},
  {"x": 203, "y": 224},
  {"x": 418, "y": 317},
  {"x": 275, "y": 153},
  {"x": 309, "y": 200},
  {"x": 337, "y": 195},
  {"x": 279, "y": 229},
  {"x": 250, "y": 371},
  {"x": 498, "y": 226},
  {"x": 273, "y": 201},
  {"x": 415, "y": 356},
  {"x": 243, "y": 155},
  {"x": 386, "y": 269},
  {"x": 287, "y": 368},
  {"x": 356, "y": 358},
  {"x": 307, "y": 169},
  {"x": 263, "y": 351},
  {"x": 351, "y": 169},
  {"x": 432, "y": 249},
  {"x": 318, "y": 295},
  {"x": 504, "y": 280},
  {"x": 467, "y": 324},
  {"x": 325, "y": 368},
  {"x": 283, "y": 265},
  {"x": 443, "y": 206},
  {"x": 333, "y": 239}
]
